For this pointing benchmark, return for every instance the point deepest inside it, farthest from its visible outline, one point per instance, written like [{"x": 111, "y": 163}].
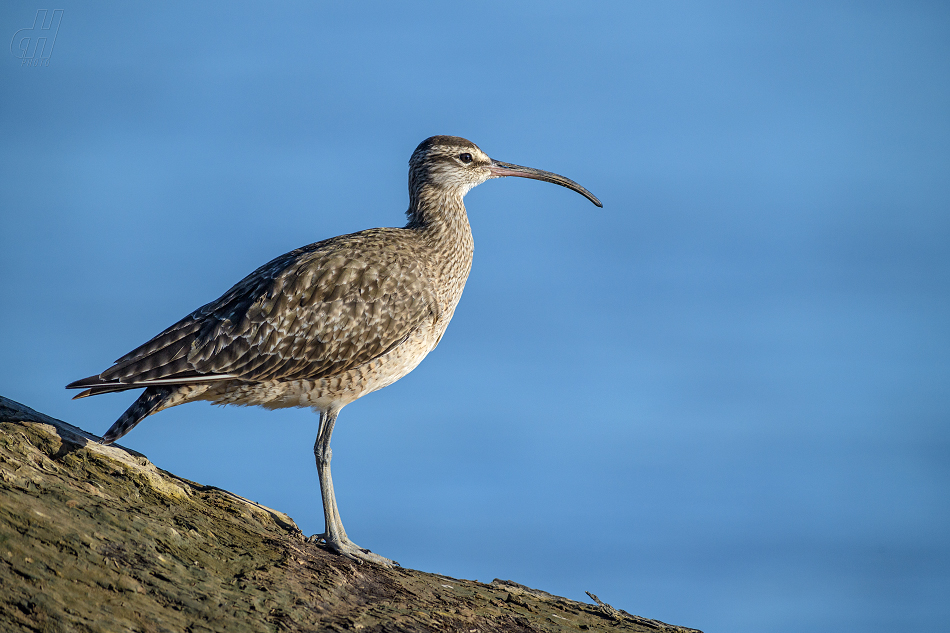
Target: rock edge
[{"x": 97, "y": 538}]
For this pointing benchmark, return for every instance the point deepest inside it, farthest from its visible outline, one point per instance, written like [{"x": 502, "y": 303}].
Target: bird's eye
[{"x": 465, "y": 158}]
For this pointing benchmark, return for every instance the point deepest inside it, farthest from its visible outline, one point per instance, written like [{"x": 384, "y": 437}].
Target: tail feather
[
  {"x": 150, "y": 401},
  {"x": 95, "y": 391},
  {"x": 95, "y": 385},
  {"x": 91, "y": 381}
]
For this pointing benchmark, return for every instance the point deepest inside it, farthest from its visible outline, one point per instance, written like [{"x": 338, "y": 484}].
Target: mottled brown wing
[{"x": 312, "y": 313}]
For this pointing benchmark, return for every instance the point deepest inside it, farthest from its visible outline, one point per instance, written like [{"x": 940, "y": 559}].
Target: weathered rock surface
[{"x": 96, "y": 538}]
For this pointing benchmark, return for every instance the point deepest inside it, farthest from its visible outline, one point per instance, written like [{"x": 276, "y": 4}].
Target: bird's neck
[{"x": 439, "y": 216}]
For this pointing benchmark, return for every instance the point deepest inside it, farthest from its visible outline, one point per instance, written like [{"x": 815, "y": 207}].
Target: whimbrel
[{"x": 327, "y": 323}]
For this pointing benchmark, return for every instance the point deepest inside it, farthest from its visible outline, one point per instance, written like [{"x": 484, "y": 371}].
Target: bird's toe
[{"x": 349, "y": 549}]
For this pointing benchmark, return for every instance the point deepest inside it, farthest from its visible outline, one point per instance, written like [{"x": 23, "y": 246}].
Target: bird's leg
[
  {"x": 335, "y": 536},
  {"x": 322, "y": 452}
]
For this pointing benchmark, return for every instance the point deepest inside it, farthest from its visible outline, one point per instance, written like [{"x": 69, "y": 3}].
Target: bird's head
[{"x": 455, "y": 165}]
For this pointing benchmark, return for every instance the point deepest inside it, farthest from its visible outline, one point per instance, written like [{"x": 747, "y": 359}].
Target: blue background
[{"x": 721, "y": 401}]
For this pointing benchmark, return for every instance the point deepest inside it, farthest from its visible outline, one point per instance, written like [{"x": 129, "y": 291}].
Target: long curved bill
[{"x": 500, "y": 169}]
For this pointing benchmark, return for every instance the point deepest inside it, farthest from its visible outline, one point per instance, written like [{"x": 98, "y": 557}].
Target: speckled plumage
[{"x": 324, "y": 325}]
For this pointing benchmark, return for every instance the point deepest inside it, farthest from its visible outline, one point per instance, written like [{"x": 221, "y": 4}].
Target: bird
[{"x": 328, "y": 323}]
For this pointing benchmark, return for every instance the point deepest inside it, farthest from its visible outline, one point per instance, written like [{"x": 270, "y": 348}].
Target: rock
[{"x": 96, "y": 538}]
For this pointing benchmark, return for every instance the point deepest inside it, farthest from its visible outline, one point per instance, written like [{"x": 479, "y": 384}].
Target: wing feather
[{"x": 312, "y": 313}]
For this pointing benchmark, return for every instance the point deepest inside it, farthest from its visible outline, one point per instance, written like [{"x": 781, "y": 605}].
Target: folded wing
[{"x": 312, "y": 313}]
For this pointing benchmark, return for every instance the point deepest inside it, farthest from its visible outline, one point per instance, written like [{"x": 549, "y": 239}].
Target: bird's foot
[{"x": 349, "y": 549}]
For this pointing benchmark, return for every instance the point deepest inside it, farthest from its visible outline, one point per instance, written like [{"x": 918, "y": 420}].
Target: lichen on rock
[{"x": 97, "y": 538}]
